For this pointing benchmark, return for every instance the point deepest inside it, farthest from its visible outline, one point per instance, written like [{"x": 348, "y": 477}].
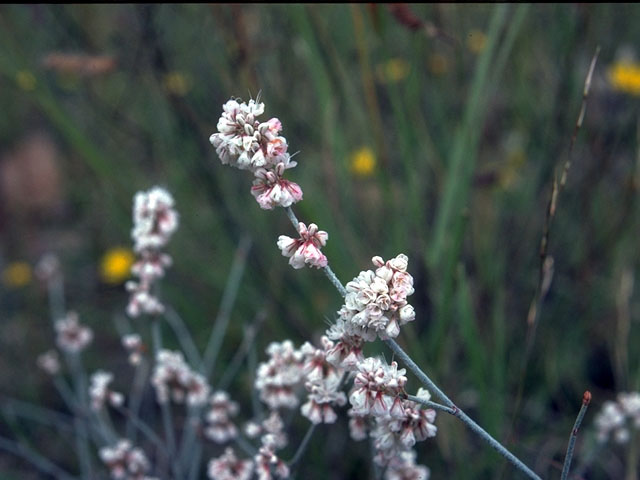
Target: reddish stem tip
[{"x": 586, "y": 398}]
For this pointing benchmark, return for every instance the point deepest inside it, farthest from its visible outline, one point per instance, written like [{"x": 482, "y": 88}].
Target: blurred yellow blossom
[
  {"x": 26, "y": 80},
  {"x": 16, "y": 275},
  {"x": 625, "y": 77},
  {"x": 363, "y": 162},
  {"x": 176, "y": 83},
  {"x": 115, "y": 265},
  {"x": 438, "y": 64},
  {"x": 393, "y": 70},
  {"x": 476, "y": 41}
]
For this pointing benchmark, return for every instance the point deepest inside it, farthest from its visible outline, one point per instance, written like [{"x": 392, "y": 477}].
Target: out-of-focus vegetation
[{"x": 439, "y": 141}]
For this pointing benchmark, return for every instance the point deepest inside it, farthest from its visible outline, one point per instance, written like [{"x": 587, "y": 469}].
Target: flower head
[
  {"x": 306, "y": 249},
  {"x": 72, "y": 336},
  {"x": 228, "y": 467}
]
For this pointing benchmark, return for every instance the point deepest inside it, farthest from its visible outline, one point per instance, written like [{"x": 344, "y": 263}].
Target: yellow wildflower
[
  {"x": 115, "y": 265},
  {"x": 17, "y": 274},
  {"x": 393, "y": 70},
  {"x": 26, "y": 80},
  {"x": 438, "y": 64},
  {"x": 363, "y": 162},
  {"x": 176, "y": 83},
  {"x": 476, "y": 41},
  {"x": 625, "y": 77}
]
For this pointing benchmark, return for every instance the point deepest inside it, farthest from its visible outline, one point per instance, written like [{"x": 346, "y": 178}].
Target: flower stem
[{"x": 586, "y": 399}]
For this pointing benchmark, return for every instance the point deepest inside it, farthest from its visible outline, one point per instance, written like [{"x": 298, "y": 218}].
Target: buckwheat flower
[
  {"x": 358, "y": 425},
  {"x": 154, "y": 219},
  {"x": 630, "y": 405},
  {"x": 220, "y": 428},
  {"x": 173, "y": 379},
  {"x": 268, "y": 465},
  {"x": 125, "y": 461},
  {"x": 611, "y": 419},
  {"x": 72, "y": 337},
  {"x": 271, "y": 189},
  {"x": 151, "y": 264},
  {"x": 99, "y": 391},
  {"x": 49, "y": 361},
  {"x": 323, "y": 395},
  {"x": 277, "y": 379},
  {"x": 141, "y": 300},
  {"x": 403, "y": 467},
  {"x": 376, "y": 302},
  {"x": 376, "y": 388},
  {"x": 346, "y": 353},
  {"x": 47, "y": 267},
  {"x": 133, "y": 344},
  {"x": 228, "y": 467},
  {"x": 306, "y": 249}
]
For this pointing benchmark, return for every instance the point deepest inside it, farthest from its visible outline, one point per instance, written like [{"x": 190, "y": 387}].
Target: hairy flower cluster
[
  {"x": 272, "y": 425},
  {"x": 154, "y": 221},
  {"x": 376, "y": 302},
  {"x": 220, "y": 428},
  {"x": 305, "y": 249},
  {"x": 616, "y": 419},
  {"x": 173, "y": 379},
  {"x": 99, "y": 391},
  {"x": 72, "y": 336},
  {"x": 277, "y": 379},
  {"x": 245, "y": 143},
  {"x": 125, "y": 462},
  {"x": 323, "y": 382},
  {"x": 403, "y": 467},
  {"x": 228, "y": 467},
  {"x": 378, "y": 391}
]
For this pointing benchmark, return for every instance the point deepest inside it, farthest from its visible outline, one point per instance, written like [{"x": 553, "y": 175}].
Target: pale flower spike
[{"x": 306, "y": 249}]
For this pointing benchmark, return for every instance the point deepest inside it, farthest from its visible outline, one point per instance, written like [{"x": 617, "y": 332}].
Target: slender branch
[
  {"x": 302, "y": 447},
  {"x": 145, "y": 429},
  {"x": 135, "y": 400},
  {"x": 176, "y": 323},
  {"x": 40, "y": 462},
  {"x": 586, "y": 399},
  {"x": 228, "y": 299},
  {"x": 430, "y": 404}
]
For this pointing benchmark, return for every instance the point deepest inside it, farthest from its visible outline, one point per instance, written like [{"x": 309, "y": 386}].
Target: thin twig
[
  {"x": 228, "y": 299},
  {"x": 586, "y": 399},
  {"x": 179, "y": 328},
  {"x": 302, "y": 447},
  {"x": 37, "y": 460}
]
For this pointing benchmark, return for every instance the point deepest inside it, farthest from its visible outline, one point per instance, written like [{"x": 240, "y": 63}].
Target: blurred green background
[{"x": 429, "y": 130}]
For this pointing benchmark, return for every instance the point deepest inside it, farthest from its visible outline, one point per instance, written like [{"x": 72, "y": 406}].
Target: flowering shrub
[{"x": 317, "y": 381}]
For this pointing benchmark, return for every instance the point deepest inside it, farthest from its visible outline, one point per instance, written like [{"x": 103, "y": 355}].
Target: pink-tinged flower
[
  {"x": 49, "y": 362},
  {"x": 323, "y": 395},
  {"x": 133, "y": 344},
  {"x": 376, "y": 388},
  {"x": 617, "y": 419},
  {"x": 141, "y": 300},
  {"x": 154, "y": 219},
  {"x": 228, "y": 467},
  {"x": 346, "y": 353},
  {"x": 99, "y": 391},
  {"x": 403, "y": 467},
  {"x": 125, "y": 461},
  {"x": 172, "y": 378},
  {"x": 268, "y": 465},
  {"x": 220, "y": 428},
  {"x": 277, "y": 379},
  {"x": 72, "y": 337},
  {"x": 305, "y": 249},
  {"x": 358, "y": 425},
  {"x": 271, "y": 189},
  {"x": 376, "y": 302}
]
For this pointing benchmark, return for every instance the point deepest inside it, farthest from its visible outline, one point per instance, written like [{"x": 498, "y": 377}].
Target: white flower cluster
[
  {"x": 154, "y": 221},
  {"x": 323, "y": 384},
  {"x": 125, "y": 462},
  {"x": 616, "y": 419},
  {"x": 72, "y": 336},
  {"x": 173, "y": 379},
  {"x": 305, "y": 249},
  {"x": 245, "y": 143},
  {"x": 99, "y": 391},
  {"x": 277, "y": 379},
  {"x": 272, "y": 425},
  {"x": 49, "y": 361},
  {"x": 228, "y": 467},
  {"x": 220, "y": 428},
  {"x": 376, "y": 302},
  {"x": 403, "y": 467},
  {"x": 268, "y": 464},
  {"x": 133, "y": 344},
  {"x": 377, "y": 393}
]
